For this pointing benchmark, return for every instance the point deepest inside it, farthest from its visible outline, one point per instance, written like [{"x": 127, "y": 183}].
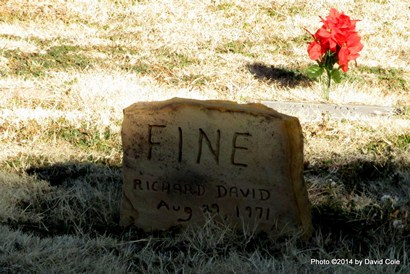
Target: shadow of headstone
[
  {"x": 281, "y": 76},
  {"x": 60, "y": 174}
]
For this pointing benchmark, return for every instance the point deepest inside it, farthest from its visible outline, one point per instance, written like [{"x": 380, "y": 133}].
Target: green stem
[
  {"x": 327, "y": 89},
  {"x": 328, "y": 65}
]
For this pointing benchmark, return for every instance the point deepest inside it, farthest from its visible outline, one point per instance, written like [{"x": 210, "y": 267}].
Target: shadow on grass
[
  {"x": 365, "y": 202},
  {"x": 283, "y": 77},
  {"x": 365, "y": 175},
  {"x": 61, "y": 174},
  {"x": 86, "y": 199}
]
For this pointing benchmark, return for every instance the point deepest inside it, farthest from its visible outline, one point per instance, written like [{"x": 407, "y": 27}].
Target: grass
[{"x": 69, "y": 68}]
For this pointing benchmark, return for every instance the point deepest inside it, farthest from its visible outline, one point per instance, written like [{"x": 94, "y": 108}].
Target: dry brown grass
[{"x": 68, "y": 68}]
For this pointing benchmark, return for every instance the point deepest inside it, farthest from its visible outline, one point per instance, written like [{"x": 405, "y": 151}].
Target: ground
[{"x": 68, "y": 68}]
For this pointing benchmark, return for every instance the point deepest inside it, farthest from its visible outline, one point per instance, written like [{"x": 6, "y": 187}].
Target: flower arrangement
[{"x": 337, "y": 41}]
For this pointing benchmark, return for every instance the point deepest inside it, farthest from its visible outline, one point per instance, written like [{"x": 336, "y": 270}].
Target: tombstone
[{"x": 186, "y": 160}]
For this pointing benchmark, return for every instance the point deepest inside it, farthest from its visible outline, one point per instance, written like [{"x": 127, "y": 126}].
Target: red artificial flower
[
  {"x": 338, "y": 34},
  {"x": 315, "y": 50},
  {"x": 339, "y": 20},
  {"x": 349, "y": 51}
]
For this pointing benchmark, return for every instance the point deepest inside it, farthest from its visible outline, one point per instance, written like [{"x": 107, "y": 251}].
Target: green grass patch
[
  {"x": 238, "y": 47},
  {"x": 273, "y": 12},
  {"x": 377, "y": 147},
  {"x": 65, "y": 57},
  {"x": 302, "y": 39},
  {"x": 227, "y": 9},
  {"x": 28, "y": 11},
  {"x": 197, "y": 80},
  {"x": 102, "y": 141},
  {"x": 35, "y": 64},
  {"x": 163, "y": 66},
  {"x": 403, "y": 141},
  {"x": 286, "y": 47},
  {"x": 386, "y": 148},
  {"x": 390, "y": 77},
  {"x": 21, "y": 161},
  {"x": 284, "y": 11},
  {"x": 98, "y": 144},
  {"x": 382, "y": 2},
  {"x": 175, "y": 60}
]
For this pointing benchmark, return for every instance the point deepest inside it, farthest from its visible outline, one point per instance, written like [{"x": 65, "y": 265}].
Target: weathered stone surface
[{"x": 186, "y": 158}]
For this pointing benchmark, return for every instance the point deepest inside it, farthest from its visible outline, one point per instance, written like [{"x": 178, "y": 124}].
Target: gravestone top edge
[{"x": 220, "y": 105}]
